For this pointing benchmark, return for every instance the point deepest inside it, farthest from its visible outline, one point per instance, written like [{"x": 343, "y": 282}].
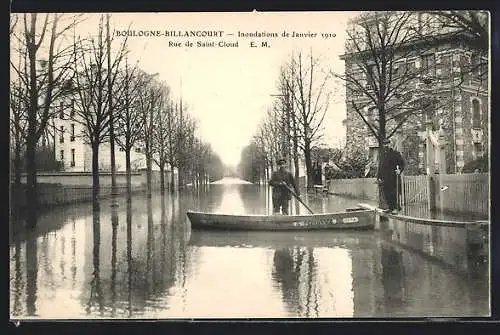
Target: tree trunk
[
  {"x": 31, "y": 194},
  {"x": 31, "y": 183},
  {"x": 162, "y": 177},
  {"x": 128, "y": 171},
  {"x": 17, "y": 167},
  {"x": 95, "y": 171},
  {"x": 309, "y": 169},
  {"x": 172, "y": 178},
  {"x": 16, "y": 188},
  {"x": 381, "y": 198},
  {"x": 148, "y": 173},
  {"x": 296, "y": 154}
]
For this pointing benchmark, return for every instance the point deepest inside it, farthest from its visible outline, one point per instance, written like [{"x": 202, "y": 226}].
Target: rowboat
[{"x": 351, "y": 219}]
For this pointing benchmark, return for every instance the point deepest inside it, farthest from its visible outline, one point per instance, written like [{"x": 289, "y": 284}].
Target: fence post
[{"x": 431, "y": 197}]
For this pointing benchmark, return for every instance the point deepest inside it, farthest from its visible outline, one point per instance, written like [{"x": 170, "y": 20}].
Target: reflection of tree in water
[
  {"x": 152, "y": 273},
  {"x": 254, "y": 199},
  {"x": 18, "y": 277},
  {"x": 31, "y": 273},
  {"x": 95, "y": 284},
  {"x": 129, "y": 255},
  {"x": 295, "y": 272},
  {"x": 208, "y": 199},
  {"x": 393, "y": 277},
  {"x": 114, "y": 227}
]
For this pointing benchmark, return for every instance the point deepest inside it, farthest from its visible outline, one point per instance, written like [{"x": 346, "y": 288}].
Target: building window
[
  {"x": 72, "y": 157},
  {"x": 429, "y": 65},
  {"x": 61, "y": 111},
  {"x": 61, "y": 157},
  {"x": 72, "y": 138},
  {"x": 476, "y": 114},
  {"x": 72, "y": 108},
  {"x": 61, "y": 135}
]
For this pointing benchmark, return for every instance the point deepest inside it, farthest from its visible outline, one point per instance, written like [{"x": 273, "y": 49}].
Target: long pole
[
  {"x": 111, "y": 119},
  {"x": 299, "y": 199}
]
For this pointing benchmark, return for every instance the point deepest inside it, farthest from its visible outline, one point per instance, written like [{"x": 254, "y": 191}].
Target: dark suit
[
  {"x": 281, "y": 195},
  {"x": 387, "y": 173}
]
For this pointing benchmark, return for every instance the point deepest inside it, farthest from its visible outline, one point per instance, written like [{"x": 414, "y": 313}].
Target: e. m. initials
[{"x": 263, "y": 44}]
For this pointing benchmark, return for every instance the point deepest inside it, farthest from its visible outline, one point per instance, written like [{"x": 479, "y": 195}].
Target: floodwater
[{"x": 142, "y": 260}]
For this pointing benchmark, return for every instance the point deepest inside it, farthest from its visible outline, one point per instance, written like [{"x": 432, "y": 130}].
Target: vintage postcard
[{"x": 253, "y": 165}]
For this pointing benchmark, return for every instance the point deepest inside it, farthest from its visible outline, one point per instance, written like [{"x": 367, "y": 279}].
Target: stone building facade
[
  {"x": 72, "y": 149},
  {"x": 460, "y": 118}
]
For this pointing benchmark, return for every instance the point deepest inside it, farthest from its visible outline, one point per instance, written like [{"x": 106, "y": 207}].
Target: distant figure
[
  {"x": 281, "y": 194},
  {"x": 389, "y": 175}
]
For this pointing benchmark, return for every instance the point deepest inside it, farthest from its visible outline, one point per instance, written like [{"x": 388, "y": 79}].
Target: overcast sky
[{"x": 228, "y": 89}]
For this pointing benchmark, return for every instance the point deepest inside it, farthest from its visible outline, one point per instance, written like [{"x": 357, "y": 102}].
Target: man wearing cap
[
  {"x": 389, "y": 175},
  {"x": 281, "y": 181}
]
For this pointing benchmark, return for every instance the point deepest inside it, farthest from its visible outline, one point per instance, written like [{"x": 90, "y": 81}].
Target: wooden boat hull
[{"x": 360, "y": 219}]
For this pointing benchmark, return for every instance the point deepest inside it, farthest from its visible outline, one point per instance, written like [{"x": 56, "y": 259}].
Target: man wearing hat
[
  {"x": 389, "y": 175},
  {"x": 281, "y": 181}
]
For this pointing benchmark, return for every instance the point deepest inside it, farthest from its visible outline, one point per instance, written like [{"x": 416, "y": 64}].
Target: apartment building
[{"x": 459, "y": 77}]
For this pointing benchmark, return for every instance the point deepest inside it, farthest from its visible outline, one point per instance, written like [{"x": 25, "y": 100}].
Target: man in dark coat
[
  {"x": 281, "y": 194},
  {"x": 389, "y": 175}
]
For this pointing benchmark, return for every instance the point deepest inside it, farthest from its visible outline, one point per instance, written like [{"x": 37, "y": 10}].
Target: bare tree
[
  {"x": 473, "y": 22},
  {"x": 382, "y": 87},
  {"x": 186, "y": 141},
  {"x": 311, "y": 99},
  {"x": 471, "y": 26},
  {"x": 129, "y": 120},
  {"x": 91, "y": 78},
  {"x": 149, "y": 103},
  {"x": 286, "y": 87},
  {"x": 18, "y": 123},
  {"x": 161, "y": 133},
  {"x": 47, "y": 67},
  {"x": 171, "y": 145}
]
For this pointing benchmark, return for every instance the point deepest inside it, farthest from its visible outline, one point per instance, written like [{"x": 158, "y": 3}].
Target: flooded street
[{"x": 142, "y": 260}]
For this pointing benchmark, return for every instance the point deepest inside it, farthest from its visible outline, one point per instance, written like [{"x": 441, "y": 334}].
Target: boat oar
[{"x": 298, "y": 198}]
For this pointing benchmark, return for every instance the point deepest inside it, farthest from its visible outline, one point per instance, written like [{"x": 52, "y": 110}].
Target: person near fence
[
  {"x": 389, "y": 176},
  {"x": 281, "y": 181}
]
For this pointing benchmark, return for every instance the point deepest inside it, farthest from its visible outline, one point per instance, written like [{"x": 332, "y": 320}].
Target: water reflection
[
  {"x": 286, "y": 273},
  {"x": 18, "y": 281},
  {"x": 129, "y": 256},
  {"x": 393, "y": 275},
  {"x": 31, "y": 274},
  {"x": 114, "y": 233},
  {"x": 141, "y": 260},
  {"x": 95, "y": 283}
]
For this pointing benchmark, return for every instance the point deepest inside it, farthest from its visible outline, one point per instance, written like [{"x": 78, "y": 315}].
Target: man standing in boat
[{"x": 282, "y": 181}]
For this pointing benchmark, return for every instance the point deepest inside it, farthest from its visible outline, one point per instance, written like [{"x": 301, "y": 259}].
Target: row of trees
[
  {"x": 293, "y": 125},
  {"x": 115, "y": 102},
  {"x": 381, "y": 87}
]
